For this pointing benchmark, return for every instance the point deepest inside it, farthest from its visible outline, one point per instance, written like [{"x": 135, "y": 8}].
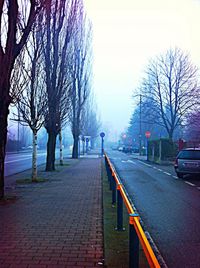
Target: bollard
[
  {"x": 133, "y": 243},
  {"x": 119, "y": 210}
]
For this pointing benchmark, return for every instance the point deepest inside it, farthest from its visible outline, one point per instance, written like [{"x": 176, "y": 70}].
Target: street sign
[
  {"x": 102, "y": 134},
  {"x": 148, "y": 134}
]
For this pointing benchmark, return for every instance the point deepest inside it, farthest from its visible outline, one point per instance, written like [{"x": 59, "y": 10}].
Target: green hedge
[{"x": 168, "y": 149}]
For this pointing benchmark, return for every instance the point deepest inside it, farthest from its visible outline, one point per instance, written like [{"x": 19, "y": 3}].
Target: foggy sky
[{"x": 126, "y": 34}]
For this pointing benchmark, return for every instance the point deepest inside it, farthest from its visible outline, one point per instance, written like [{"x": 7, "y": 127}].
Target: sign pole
[
  {"x": 148, "y": 135},
  {"x": 102, "y": 135},
  {"x": 102, "y": 146}
]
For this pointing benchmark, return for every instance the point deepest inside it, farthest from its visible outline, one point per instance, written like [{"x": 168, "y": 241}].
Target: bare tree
[
  {"x": 59, "y": 19},
  {"x": 90, "y": 122},
  {"x": 142, "y": 121},
  {"x": 192, "y": 129},
  {"x": 31, "y": 102},
  {"x": 171, "y": 87},
  {"x": 80, "y": 67},
  {"x": 16, "y": 19}
]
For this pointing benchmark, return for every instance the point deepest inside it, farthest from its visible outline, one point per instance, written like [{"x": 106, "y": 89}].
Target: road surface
[
  {"x": 169, "y": 207},
  {"x": 18, "y": 162}
]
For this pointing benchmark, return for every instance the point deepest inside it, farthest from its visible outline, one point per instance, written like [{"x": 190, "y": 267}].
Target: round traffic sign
[
  {"x": 148, "y": 134},
  {"x": 102, "y": 134}
]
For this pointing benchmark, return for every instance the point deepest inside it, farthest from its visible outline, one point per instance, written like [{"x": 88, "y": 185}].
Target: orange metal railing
[{"x": 134, "y": 220}]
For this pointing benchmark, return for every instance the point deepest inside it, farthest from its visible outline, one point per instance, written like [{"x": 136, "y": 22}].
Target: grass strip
[
  {"x": 27, "y": 180},
  {"x": 116, "y": 243}
]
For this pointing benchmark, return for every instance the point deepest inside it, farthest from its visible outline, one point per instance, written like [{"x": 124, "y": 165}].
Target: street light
[
  {"x": 140, "y": 135},
  {"x": 140, "y": 123}
]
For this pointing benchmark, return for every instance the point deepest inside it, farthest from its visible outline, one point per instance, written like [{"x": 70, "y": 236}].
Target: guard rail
[{"x": 136, "y": 232}]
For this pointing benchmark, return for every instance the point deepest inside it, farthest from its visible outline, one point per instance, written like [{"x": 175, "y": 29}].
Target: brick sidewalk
[{"x": 58, "y": 223}]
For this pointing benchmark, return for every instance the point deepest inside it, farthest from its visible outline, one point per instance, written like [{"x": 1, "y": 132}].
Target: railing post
[
  {"x": 110, "y": 178},
  {"x": 113, "y": 191},
  {"x": 107, "y": 166},
  {"x": 119, "y": 210},
  {"x": 109, "y": 173},
  {"x": 133, "y": 243}
]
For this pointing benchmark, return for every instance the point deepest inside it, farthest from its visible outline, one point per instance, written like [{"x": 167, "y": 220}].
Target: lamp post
[
  {"x": 140, "y": 122},
  {"x": 140, "y": 134}
]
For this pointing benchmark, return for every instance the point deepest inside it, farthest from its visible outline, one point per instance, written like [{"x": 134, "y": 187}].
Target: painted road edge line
[
  {"x": 144, "y": 163},
  {"x": 169, "y": 174},
  {"x": 130, "y": 161},
  {"x": 189, "y": 183},
  {"x": 18, "y": 160}
]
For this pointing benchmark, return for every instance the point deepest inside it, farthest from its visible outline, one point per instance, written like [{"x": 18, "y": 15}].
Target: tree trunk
[
  {"x": 75, "y": 147},
  {"x": 79, "y": 147},
  {"x": 170, "y": 133},
  {"x": 61, "y": 148},
  {"x": 3, "y": 139},
  {"x": 51, "y": 147},
  {"x": 87, "y": 145},
  {"x": 92, "y": 143},
  {"x": 34, "y": 157},
  {"x": 83, "y": 142}
]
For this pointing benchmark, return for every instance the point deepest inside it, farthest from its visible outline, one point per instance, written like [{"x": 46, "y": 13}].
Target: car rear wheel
[{"x": 179, "y": 175}]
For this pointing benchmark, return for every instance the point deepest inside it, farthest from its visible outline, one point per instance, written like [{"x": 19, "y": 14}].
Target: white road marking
[
  {"x": 17, "y": 160},
  {"x": 189, "y": 183},
  {"x": 167, "y": 173},
  {"x": 130, "y": 161},
  {"x": 144, "y": 163},
  {"x": 20, "y": 159},
  {"x": 14, "y": 155}
]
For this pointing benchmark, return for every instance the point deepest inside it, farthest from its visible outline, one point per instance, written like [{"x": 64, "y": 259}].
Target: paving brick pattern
[{"x": 57, "y": 223}]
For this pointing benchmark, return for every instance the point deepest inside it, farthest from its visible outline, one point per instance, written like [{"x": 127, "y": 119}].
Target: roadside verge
[{"x": 116, "y": 243}]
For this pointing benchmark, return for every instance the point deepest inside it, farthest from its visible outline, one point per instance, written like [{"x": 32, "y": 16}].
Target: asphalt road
[
  {"x": 169, "y": 207},
  {"x": 18, "y": 162}
]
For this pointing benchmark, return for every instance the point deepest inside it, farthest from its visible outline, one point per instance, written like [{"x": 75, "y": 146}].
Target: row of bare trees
[
  {"x": 46, "y": 69},
  {"x": 169, "y": 95},
  {"x": 15, "y": 26}
]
